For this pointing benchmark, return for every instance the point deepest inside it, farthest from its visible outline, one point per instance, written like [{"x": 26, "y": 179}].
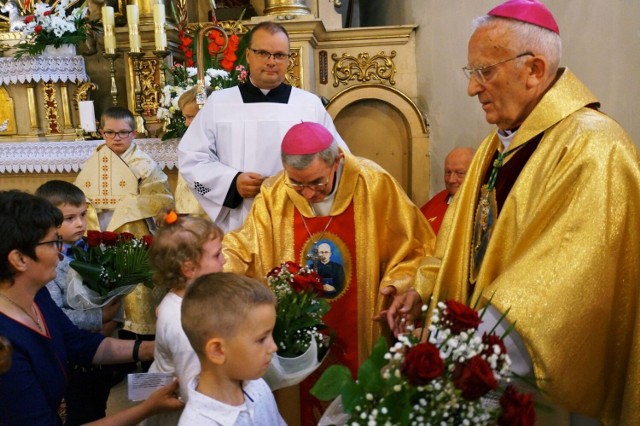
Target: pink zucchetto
[
  {"x": 530, "y": 11},
  {"x": 306, "y": 138}
]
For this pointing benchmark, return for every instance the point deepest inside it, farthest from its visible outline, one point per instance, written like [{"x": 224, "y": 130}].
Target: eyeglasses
[
  {"x": 58, "y": 243},
  {"x": 316, "y": 187},
  {"x": 265, "y": 56},
  {"x": 111, "y": 134},
  {"x": 482, "y": 74}
]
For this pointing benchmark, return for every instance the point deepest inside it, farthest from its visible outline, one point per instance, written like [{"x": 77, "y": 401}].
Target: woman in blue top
[{"x": 42, "y": 336}]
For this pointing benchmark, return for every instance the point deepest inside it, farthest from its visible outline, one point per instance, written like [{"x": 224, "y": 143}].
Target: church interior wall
[{"x": 601, "y": 45}]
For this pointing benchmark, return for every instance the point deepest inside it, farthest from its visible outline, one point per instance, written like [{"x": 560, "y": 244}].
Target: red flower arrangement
[
  {"x": 454, "y": 377},
  {"x": 112, "y": 260},
  {"x": 299, "y": 310}
]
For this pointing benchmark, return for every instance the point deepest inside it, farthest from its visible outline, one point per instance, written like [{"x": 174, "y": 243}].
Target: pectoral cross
[{"x": 314, "y": 255}]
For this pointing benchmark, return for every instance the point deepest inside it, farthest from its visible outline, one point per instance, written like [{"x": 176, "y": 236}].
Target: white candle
[
  {"x": 159, "y": 20},
  {"x": 107, "y": 16},
  {"x": 132, "y": 20},
  {"x": 87, "y": 116},
  {"x": 108, "y": 23},
  {"x": 132, "y": 14}
]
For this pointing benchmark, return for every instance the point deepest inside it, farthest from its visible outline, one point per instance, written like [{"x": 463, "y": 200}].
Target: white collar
[
  {"x": 323, "y": 208},
  {"x": 219, "y": 412}
]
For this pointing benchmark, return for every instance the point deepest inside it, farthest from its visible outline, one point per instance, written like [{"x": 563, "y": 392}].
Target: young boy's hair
[
  {"x": 215, "y": 304},
  {"x": 189, "y": 96},
  {"x": 177, "y": 242},
  {"x": 60, "y": 192},
  {"x": 118, "y": 113}
]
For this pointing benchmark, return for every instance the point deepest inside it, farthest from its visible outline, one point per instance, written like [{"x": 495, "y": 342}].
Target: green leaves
[
  {"x": 104, "y": 268},
  {"x": 331, "y": 383}
]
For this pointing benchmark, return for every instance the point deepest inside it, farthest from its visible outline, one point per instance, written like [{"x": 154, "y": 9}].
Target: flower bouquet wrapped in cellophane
[
  {"x": 454, "y": 377},
  {"x": 112, "y": 265},
  {"x": 299, "y": 332}
]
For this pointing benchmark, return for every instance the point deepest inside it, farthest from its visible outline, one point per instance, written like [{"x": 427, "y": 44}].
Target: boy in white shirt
[{"x": 229, "y": 320}]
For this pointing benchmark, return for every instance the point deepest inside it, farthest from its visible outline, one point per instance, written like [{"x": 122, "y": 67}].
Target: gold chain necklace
[
  {"x": 315, "y": 256},
  {"x": 35, "y": 318}
]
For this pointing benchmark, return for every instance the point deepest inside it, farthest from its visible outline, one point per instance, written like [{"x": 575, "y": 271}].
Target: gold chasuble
[
  {"x": 376, "y": 236},
  {"x": 134, "y": 188},
  {"x": 563, "y": 256}
]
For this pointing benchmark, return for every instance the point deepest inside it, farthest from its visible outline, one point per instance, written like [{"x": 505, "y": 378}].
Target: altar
[
  {"x": 27, "y": 165},
  {"x": 367, "y": 76},
  {"x": 49, "y": 88}
]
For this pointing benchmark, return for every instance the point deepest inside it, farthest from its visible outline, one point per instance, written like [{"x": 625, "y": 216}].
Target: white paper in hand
[{"x": 141, "y": 385}]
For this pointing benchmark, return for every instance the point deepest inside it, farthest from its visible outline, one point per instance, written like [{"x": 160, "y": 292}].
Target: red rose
[
  {"x": 474, "y": 378},
  {"x": 94, "y": 238},
  {"x": 490, "y": 341},
  {"x": 126, "y": 236},
  {"x": 293, "y": 267},
  {"x": 109, "y": 238},
  {"x": 275, "y": 272},
  {"x": 307, "y": 282},
  {"x": 517, "y": 409},
  {"x": 147, "y": 240},
  {"x": 422, "y": 364},
  {"x": 459, "y": 317},
  {"x": 28, "y": 19},
  {"x": 46, "y": 13},
  {"x": 38, "y": 28}
]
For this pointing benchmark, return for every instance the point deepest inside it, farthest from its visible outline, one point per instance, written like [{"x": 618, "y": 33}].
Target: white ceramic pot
[{"x": 51, "y": 51}]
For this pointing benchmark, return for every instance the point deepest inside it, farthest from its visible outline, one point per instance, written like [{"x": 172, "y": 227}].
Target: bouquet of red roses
[
  {"x": 299, "y": 329},
  {"x": 454, "y": 377},
  {"x": 111, "y": 265}
]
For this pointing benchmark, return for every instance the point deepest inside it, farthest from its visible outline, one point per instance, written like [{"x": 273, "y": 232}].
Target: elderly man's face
[
  {"x": 455, "y": 169},
  {"x": 505, "y": 97},
  {"x": 315, "y": 181}
]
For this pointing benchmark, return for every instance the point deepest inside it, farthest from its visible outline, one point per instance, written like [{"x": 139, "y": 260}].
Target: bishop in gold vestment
[
  {"x": 564, "y": 255},
  {"x": 357, "y": 211}
]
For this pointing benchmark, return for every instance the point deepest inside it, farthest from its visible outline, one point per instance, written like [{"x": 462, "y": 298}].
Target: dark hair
[
  {"x": 60, "y": 192},
  {"x": 118, "y": 113},
  {"x": 215, "y": 304},
  {"x": 269, "y": 26},
  {"x": 24, "y": 220}
]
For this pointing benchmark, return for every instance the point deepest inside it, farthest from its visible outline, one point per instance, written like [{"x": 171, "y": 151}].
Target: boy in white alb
[{"x": 229, "y": 320}]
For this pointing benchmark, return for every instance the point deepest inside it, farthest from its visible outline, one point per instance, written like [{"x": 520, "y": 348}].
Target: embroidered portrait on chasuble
[{"x": 337, "y": 232}]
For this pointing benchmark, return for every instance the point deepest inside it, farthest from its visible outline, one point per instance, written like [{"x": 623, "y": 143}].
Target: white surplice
[{"x": 229, "y": 136}]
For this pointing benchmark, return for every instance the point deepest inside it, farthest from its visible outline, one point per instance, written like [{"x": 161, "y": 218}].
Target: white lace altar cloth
[
  {"x": 61, "y": 157},
  {"x": 39, "y": 68}
]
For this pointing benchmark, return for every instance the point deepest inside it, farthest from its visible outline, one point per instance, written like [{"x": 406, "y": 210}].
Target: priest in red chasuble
[{"x": 330, "y": 206}]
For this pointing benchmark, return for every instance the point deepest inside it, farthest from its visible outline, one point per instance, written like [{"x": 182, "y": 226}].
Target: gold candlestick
[
  {"x": 161, "y": 55},
  {"x": 111, "y": 57},
  {"x": 137, "y": 90}
]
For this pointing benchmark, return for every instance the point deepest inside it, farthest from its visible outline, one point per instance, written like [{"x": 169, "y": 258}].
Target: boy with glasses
[{"x": 128, "y": 189}]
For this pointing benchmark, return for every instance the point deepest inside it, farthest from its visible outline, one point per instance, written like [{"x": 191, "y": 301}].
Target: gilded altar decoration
[
  {"x": 52, "y": 26},
  {"x": 364, "y": 68},
  {"x": 82, "y": 92},
  {"x": 50, "y": 107}
]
